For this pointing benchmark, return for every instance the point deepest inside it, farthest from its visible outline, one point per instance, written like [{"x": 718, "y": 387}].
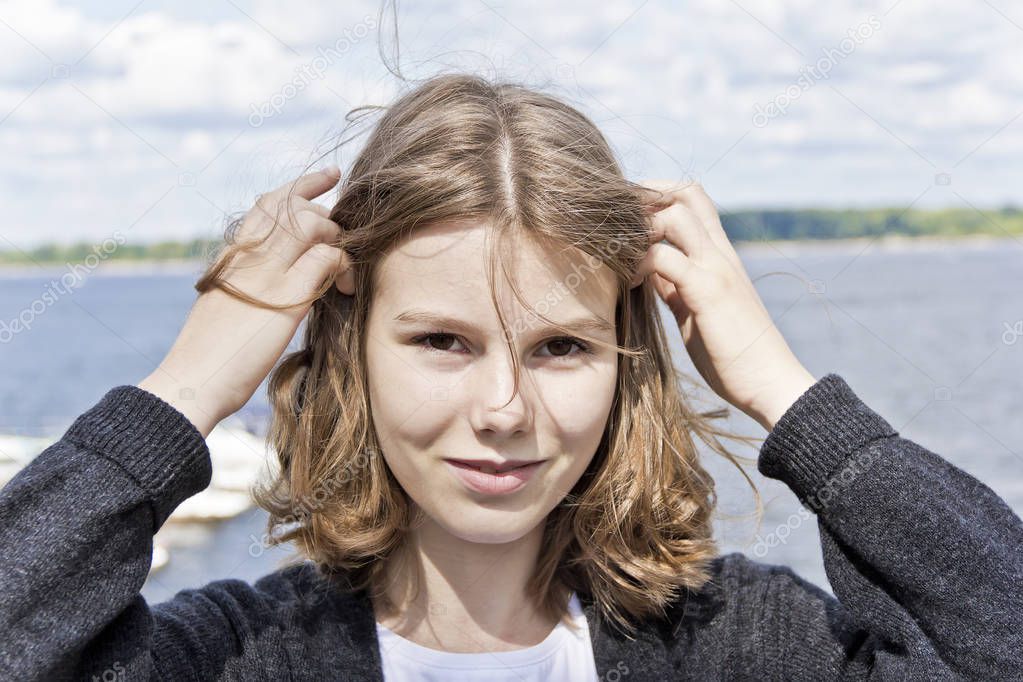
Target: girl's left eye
[
  {"x": 425, "y": 341},
  {"x": 565, "y": 343},
  {"x": 562, "y": 345}
]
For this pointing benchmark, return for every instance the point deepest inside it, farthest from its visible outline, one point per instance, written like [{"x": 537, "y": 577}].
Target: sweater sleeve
[
  {"x": 76, "y": 530},
  {"x": 925, "y": 560}
]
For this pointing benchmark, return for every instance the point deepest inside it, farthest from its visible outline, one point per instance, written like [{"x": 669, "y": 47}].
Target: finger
[
  {"x": 645, "y": 266},
  {"x": 274, "y": 215},
  {"x": 693, "y": 196},
  {"x": 307, "y": 229},
  {"x": 303, "y": 204},
  {"x": 307, "y": 186},
  {"x": 662, "y": 191},
  {"x": 697, "y": 199},
  {"x": 671, "y": 297},
  {"x": 671, "y": 264},
  {"x": 683, "y": 229},
  {"x": 658, "y": 194},
  {"x": 643, "y": 269},
  {"x": 665, "y": 260},
  {"x": 319, "y": 262},
  {"x": 655, "y": 230}
]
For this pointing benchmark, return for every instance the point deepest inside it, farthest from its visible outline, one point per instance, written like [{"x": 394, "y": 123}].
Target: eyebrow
[{"x": 582, "y": 324}]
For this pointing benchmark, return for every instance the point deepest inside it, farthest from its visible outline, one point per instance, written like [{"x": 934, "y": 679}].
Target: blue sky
[{"x": 137, "y": 118}]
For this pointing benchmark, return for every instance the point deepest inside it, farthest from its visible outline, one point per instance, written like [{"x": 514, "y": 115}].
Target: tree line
[{"x": 747, "y": 225}]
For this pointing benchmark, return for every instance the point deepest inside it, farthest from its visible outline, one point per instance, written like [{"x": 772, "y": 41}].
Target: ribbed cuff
[
  {"x": 817, "y": 435},
  {"x": 152, "y": 441}
]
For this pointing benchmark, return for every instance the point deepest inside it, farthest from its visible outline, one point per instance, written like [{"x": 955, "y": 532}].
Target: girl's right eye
[{"x": 430, "y": 342}]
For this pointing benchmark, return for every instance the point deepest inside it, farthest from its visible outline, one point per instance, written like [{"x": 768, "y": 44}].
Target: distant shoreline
[
  {"x": 890, "y": 242},
  {"x": 109, "y": 268},
  {"x": 893, "y": 242}
]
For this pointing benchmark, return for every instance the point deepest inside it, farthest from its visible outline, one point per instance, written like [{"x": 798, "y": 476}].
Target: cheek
[
  {"x": 578, "y": 407},
  {"x": 576, "y": 411},
  {"x": 395, "y": 387},
  {"x": 410, "y": 412}
]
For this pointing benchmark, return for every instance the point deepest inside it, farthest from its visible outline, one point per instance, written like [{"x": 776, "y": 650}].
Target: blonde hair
[{"x": 637, "y": 527}]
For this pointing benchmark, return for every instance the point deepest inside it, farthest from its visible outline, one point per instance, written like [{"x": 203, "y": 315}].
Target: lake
[{"x": 928, "y": 333}]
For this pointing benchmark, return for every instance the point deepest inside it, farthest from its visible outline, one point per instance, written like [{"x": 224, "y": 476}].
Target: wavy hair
[{"x": 637, "y": 527}]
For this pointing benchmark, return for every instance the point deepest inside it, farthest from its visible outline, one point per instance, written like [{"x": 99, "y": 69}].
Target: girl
[{"x": 488, "y": 464}]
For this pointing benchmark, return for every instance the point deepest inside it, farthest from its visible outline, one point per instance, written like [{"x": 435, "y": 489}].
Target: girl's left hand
[{"x": 726, "y": 329}]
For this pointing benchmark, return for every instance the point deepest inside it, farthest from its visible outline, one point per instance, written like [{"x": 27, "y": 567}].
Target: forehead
[{"x": 447, "y": 263}]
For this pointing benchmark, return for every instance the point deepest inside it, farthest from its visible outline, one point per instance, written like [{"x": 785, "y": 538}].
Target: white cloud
[{"x": 170, "y": 90}]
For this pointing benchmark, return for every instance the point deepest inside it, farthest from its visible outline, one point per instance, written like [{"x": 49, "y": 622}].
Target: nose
[{"x": 493, "y": 408}]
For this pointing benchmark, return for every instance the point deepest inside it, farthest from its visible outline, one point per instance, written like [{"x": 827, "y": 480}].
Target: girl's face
[{"x": 440, "y": 370}]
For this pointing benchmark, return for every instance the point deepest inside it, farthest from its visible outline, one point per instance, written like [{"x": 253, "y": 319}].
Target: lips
[
  {"x": 489, "y": 478},
  {"x": 494, "y": 467}
]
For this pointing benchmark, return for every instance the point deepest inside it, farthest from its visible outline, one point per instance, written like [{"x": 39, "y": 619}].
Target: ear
[{"x": 345, "y": 282}]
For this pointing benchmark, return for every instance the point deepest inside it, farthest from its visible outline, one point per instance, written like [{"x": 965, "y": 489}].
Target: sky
[{"x": 149, "y": 120}]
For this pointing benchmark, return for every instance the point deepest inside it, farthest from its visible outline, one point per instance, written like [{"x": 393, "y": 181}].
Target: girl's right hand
[
  {"x": 726, "y": 329},
  {"x": 227, "y": 346}
]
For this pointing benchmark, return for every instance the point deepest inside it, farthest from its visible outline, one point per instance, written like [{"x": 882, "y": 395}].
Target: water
[{"x": 928, "y": 334}]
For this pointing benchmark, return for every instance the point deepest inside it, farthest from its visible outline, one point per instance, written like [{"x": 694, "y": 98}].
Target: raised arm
[
  {"x": 76, "y": 528},
  {"x": 925, "y": 560},
  {"x": 77, "y": 523}
]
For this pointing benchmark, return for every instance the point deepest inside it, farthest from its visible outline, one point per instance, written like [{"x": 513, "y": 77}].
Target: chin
[{"x": 488, "y": 526}]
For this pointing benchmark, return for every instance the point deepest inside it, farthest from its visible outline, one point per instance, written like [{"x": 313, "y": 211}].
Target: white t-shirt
[{"x": 563, "y": 655}]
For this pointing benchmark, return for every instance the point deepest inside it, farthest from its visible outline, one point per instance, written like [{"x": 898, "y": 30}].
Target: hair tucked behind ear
[{"x": 636, "y": 530}]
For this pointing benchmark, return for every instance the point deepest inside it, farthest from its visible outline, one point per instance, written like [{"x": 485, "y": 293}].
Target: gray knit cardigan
[{"x": 925, "y": 560}]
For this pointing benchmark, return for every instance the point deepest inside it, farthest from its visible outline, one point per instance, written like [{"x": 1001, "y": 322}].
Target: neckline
[{"x": 394, "y": 644}]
